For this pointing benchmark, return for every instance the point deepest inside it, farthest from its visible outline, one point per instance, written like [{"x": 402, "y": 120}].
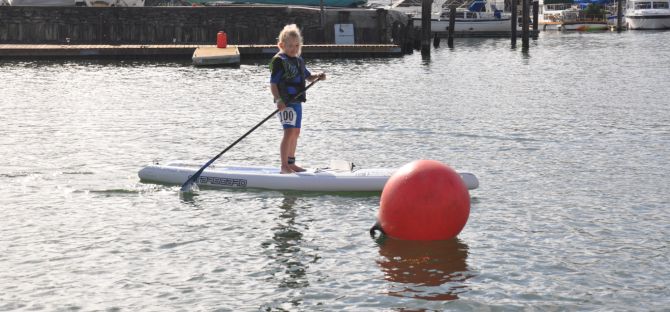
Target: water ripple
[{"x": 570, "y": 144}]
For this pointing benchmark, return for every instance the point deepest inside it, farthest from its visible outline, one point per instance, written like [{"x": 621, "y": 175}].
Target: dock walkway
[{"x": 186, "y": 50}]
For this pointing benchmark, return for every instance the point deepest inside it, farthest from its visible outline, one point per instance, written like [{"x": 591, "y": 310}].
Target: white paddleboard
[{"x": 335, "y": 178}]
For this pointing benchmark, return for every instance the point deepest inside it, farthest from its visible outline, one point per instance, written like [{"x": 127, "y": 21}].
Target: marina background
[
  {"x": 189, "y": 25},
  {"x": 570, "y": 141}
]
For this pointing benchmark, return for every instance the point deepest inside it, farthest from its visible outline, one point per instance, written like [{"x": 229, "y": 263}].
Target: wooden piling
[
  {"x": 452, "y": 25},
  {"x": 525, "y": 19},
  {"x": 426, "y": 9},
  {"x": 513, "y": 22},
  {"x": 536, "y": 13},
  {"x": 322, "y": 15},
  {"x": 619, "y": 15}
]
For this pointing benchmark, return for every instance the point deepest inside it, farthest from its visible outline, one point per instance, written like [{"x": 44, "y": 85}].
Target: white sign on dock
[{"x": 344, "y": 34}]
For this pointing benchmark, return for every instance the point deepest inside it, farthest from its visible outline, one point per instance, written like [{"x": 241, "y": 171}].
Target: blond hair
[{"x": 290, "y": 31}]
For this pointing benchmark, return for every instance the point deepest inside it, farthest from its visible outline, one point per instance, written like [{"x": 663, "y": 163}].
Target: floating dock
[
  {"x": 186, "y": 51},
  {"x": 214, "y": 56}
]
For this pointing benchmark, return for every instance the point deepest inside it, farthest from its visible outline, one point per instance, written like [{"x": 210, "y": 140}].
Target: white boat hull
[
  {"x": 469, "y": 26},
  {"x": 583, "y": 26},
  {"x": 241, "y": 177},
  {"x": 648, "y": 14},
  {"x": 648, "y": 21},
  {"x": 550, "y": 26}
]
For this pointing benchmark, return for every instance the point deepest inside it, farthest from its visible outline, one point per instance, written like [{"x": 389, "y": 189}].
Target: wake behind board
[{"x": 331, "y": 179}]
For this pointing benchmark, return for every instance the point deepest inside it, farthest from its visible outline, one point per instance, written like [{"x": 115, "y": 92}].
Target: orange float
[
  {"x": 424, "y": 200},
  {"x": 221, "y": 40}
]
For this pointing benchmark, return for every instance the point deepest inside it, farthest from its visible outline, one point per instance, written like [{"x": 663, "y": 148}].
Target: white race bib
[{"x": 288, "y": 116}]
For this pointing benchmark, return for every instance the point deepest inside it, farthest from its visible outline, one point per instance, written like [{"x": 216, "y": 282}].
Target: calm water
[{"x": 570, "y": 142}]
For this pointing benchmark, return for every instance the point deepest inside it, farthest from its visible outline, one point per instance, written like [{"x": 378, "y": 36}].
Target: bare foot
[
  {"x": 296, "y": 168},
  {"x": 286, "y": 170}
]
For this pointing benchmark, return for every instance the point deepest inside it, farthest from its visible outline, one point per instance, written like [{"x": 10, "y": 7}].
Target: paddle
[{"x": 188, "y": 185}]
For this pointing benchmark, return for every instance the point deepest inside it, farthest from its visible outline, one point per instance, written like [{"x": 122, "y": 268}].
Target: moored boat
[
  {"x": 329, "y": 3},
  {"x": 648, "y": 14},
  {"x": 550, "y": 15},
  {"x": 478, "y": 18},
  {"x": 330, "y": 179},
  {"x": 591, "y": 18},
  {"x": 414, "y": 7}
]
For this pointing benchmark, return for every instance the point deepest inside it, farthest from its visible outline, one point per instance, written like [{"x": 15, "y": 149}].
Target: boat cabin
[{"x": 647, "y": 5}]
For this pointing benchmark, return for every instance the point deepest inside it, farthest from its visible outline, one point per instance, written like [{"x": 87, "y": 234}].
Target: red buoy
[
  {"x": 221, "y": 40},
  {"x": 424, "y": 200}
]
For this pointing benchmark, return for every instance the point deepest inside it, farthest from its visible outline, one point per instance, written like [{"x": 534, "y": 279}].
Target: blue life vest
[{"x": 292, "y": 81}]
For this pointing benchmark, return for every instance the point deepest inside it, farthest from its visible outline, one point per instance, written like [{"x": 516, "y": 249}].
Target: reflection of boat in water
[
  {"x": 646, "y": 14},
  {"x": 425, "y": 263}
]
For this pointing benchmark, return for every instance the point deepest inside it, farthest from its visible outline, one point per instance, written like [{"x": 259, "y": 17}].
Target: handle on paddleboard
[{"x": 188, "y": 185}]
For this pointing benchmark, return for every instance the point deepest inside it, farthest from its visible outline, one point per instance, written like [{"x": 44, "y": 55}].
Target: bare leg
[
  {"x": 293, "y": 144},
  {"x": 284, "y": 150}
]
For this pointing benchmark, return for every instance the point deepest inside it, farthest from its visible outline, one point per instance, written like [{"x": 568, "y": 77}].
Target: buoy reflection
[{"x": 431, "y": 270}]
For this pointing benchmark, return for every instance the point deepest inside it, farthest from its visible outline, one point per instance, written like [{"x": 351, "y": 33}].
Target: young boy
[{"x": 287, "y": 80}]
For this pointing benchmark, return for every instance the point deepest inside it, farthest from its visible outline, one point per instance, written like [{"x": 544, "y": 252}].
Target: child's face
[{"x": 291, "y": 46}]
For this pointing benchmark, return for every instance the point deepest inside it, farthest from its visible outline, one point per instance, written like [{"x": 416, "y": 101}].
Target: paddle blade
[{"x": 189, "y": 187}]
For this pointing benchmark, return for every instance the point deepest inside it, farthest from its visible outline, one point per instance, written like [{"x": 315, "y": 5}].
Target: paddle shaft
[{"x": 187, "y": 185}]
